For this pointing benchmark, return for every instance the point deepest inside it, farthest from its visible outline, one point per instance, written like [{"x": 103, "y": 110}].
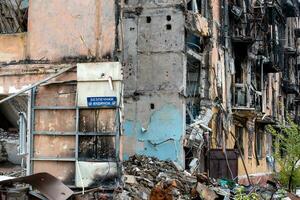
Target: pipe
[{"x": 36, "y": 84}]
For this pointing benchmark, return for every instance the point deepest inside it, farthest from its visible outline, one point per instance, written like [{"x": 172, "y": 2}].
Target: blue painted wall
[{"x": 163, "y": 137}]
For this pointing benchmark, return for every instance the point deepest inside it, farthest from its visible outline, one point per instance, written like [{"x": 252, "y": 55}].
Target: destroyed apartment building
[{"x": 86, "y": 85}]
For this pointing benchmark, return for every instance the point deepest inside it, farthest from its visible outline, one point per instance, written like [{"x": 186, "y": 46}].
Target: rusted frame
[
  {"x": 61, "y": 133},
  {"x": 114, "y": 134}
]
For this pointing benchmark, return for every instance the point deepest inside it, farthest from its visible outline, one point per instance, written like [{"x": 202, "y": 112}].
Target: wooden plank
[
  {"x": 65, "y": 171},
  {"x": 55, "y": 120},
  {"x": 56, "y": 95},
  {"x": 54, "y": 146},
  {"x": 97, "y": 120}
]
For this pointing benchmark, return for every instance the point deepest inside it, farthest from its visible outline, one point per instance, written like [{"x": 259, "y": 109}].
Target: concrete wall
[
  {"x": 71, "y": 28},
  {"x": 12, "y": 47},
  {"x": 154, "y": 75}
]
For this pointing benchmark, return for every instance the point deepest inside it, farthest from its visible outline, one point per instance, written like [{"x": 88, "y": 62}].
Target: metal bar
[
  {"x": 98, "y": 160},
  {"x": 74, "y": 133},
  {"x": 36, "y": 84},
  {"x": 98, "y": 107},
  {"x": 29, "y": 125},
  {"x": 77, "y": 131},
  {"x": 97, "y": 133},
  {"x": 53, "y": 159},
  {"x": 54, "y": 108},
  {"x": 31, "y": 150},
  {"x": 22, "y": 134},
  {"x": 54, "y": 133}
]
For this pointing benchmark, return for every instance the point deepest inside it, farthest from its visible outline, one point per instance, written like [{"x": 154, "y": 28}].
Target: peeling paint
[{"x": 163, "y": 138}]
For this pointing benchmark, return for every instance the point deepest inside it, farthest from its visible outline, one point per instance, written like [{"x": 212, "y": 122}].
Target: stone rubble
[
  {"x": 142, "y": 174},
  {"x": 147, "y": 178}
]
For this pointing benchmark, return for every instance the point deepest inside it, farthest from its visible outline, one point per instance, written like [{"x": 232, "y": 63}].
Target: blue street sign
[{"x": 101, "y": 101}]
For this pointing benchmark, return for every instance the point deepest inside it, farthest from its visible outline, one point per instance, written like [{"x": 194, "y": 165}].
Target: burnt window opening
[
  {"x": 169, "y": 27},
  {"x": 169, "y": 18},
  {"x": 152, "y": 106},
  {"x": 5, "y": 124},
  {"x": 250, "y": 145},
  {"x": 14, "y": 16},
  {"x": 148, "y": 19},
  {"x": 259, "y": 141},
  {"x": 96, "y": 148},
  {"x": 238, "y": 71},
  {"x": 256, "y": 76},
  {"x": 240, "y": 54},
  {"x": 239, "y": 134}
]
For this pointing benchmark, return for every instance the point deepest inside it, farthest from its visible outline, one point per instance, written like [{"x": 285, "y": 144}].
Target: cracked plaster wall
[{"x": 155, "y": 79}]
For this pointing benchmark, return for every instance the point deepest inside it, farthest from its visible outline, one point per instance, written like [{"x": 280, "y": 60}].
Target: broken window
[
  {"x": 239, "y": 134},
  {"x": 250, "y": 145},
  {"x": 14, "y": 15},
  {"x": 259, "y": 142},
  {"x": 238, "y": 71},
  {"x": 96, "y": 140}
]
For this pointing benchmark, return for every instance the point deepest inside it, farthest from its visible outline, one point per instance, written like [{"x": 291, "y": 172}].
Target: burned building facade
[{"x": 193, "y": 81}]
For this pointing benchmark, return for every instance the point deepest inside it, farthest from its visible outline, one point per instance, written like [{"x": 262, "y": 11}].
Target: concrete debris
[
  {"x": 205, "y": 192},
  {"x": 3, "y": 153},
  {"x": 197, "y": 24},
  {"x": 9, "y": 147},
  {"x": 155, "y": 180},
  {"x": 5, "y": 135},
  {"x": 148, "y": 178}
]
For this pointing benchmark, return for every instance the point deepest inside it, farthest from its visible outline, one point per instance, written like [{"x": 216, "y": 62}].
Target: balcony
[{"x": 246, "y": 102}]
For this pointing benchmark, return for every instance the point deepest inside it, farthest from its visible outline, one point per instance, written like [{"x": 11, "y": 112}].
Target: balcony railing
[{"x": 246, "y": 99}]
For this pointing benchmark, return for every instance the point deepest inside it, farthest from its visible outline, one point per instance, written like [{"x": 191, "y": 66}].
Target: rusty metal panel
[
  {"x": 54, "y": 146},
  {"x": 218, "y": 167},
  {"x": 55, "y": 120},
  {"x": 45, "y": 183},
  {"x": 99, "y": 71},
  {"x": 90, "y": 174},
  {"x": 97, "y": 148},
  {"x": 64, "y": 171},
  {"x": 56, "y": 95},
  {"x": 97, "y": 120}
]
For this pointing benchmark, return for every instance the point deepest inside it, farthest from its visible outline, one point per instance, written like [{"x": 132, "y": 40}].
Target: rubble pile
[
  {"x": 5, "y": 135},
  {"x": 147, "y": 178},
  {"x": 143, "y": 174}
]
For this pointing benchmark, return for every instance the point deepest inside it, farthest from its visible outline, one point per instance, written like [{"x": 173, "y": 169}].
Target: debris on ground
[
  {"x": 149, "y": 178},
  {"x": 9, "y": 160}
]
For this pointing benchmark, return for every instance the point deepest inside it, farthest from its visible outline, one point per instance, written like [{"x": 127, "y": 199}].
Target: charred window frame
[
  {"x": 259, "y": 136},
  {"x": 13, "y": 16},
  {"x": 250, "y": 145},
  {"x": 239, "y": 134}
]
